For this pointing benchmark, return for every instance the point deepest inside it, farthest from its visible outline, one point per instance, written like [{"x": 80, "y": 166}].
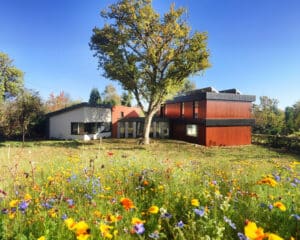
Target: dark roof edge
[
  {"x": 214, "y": 96},
  {"x": 79, "y": 105}
]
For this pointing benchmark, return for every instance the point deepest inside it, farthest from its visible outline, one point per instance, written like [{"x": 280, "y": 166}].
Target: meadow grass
[{"x": 118, "y": 189}]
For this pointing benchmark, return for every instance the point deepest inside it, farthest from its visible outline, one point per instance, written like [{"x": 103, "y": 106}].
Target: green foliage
[
  {"x": 269, "y": 119},
  {"x": 95, "y": 97},
  {"x": 11, "y": 78},
  {"x": 86, "y": 182},
  {"x": 188, "y": 86},
  {"x": 148, "y": 54},
  {"x": 126, "y": 98},
  {"x": 22, "y": 114},
  {"x": 110, "y": 96}
]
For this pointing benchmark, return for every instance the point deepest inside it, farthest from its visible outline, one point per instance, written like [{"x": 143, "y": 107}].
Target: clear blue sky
[{"x": 254, "y": 44}]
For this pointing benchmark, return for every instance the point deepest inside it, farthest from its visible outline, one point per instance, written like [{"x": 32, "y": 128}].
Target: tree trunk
[{"x": 147, "y": 126}]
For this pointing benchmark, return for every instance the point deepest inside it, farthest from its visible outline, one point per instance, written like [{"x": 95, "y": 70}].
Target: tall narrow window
[
  {"x": 121, "y": 114},
  {"x": 182, "y": 109},
  {"x": 195, "y": 109}
]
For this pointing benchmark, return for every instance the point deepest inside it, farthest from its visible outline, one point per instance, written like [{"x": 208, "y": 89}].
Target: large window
[
  {"x": 78, "y": 128},
  {"x": 192, "y": 130}
]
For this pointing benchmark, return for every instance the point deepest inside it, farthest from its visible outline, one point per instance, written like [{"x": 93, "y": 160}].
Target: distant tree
[
  {"x": 22, "y": 113},
  {"x": 11, "y": 78},
  {"x": 150, "y": 55},
  {"x": 269, "y": 119},
  {"x": 95, "y": 97},
  {"x": 188, "y": 86},
  {"x": 126, "y": 98},
  {"x": 57, "y": 102},
  {"x": 110, "y": 96},
  {"x": 289, "y": 120},
  {"x": 296, "y": 108}
]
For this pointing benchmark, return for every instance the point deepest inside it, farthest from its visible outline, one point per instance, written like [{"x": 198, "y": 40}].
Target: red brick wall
[{"x": 116, "y": 115}]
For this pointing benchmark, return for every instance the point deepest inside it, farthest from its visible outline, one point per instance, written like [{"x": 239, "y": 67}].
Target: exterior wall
[
  {"x": 129, "y": 112},
  {"x": 60, "y": 125},
  {"x": 228, "y": 109},
  {"x": 228, "y": 136},
  {"x": 178, "y": 131},
  {"x": 172, "y": 110},
  {"x": 188, "y": 110}
]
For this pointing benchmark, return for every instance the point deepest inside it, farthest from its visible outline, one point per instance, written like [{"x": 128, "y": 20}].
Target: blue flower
[
  {"x": 64, "y": 217},
  {"x": 139, "y": 228},
  {"x": 180, "y": 224},
  {"x": 296, "y": 216},
  {"x": 47, "y": 205},
  {"x": 154, "y": 235},
  {"x": 200, "y": 211},
  {"x": 23, "y": 206},
  {"x": 70, "y": 202},
  {"x": 242, "y": 236},
  {"x": 271, "y": 207},
  {"x": 231, "y": 224}
]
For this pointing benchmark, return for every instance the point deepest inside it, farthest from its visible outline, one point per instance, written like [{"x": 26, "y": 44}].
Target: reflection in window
[
  {"x": 79, "y": 128},
  {"x": 192, "y": 130}
]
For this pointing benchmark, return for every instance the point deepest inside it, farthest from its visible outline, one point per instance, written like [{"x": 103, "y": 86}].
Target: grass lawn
[{"x": 118, "y": 189}]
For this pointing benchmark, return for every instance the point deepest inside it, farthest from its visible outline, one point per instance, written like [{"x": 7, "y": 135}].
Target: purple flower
[
  {"x": 271, "y": 207},
  {"x": 242, "y": 236},
  {"x": 154, "y": 235},
  {"x": 47, "y": 205},
  {"x": 296, "y": 216},
  {"x": 64, "y": 217},
  {"x": 166, "y": 215},
  {"x": 231, "y": 224},
  {"x": 4, "y": 211},
  {"x": 23, "y": 206},
  {"x": 70, "y": 202},
  {"x": 199, "y": 212},
  {"x": 180, "y": 224},
  {"x": 139, "y": 228}
]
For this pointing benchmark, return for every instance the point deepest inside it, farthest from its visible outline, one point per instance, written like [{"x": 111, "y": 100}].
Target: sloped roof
[{"x": 76, "y": 106}]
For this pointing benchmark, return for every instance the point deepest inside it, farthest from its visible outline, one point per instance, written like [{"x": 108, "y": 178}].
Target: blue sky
[{"x": 254, "y": 44}]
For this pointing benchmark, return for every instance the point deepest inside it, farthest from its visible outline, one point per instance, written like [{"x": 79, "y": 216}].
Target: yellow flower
[
  {"x": 83, "y": 237},
  {"x": 280, "y": 205},
  {"x": 81, "y": 228},
  {"x": 195, "y": 202},
  {"x": 41, "y": 238},
  {"x": 105, "y": 230},
  {"x": 269, "y": 181},
  {"x": 253, "y": 232},
  {"x": 13, "y": 203},
  {"x": 70, "y": 223},
  {"x": 272, "y": 236},
  {"x": 12, "y": 215},
  {"x": 136, "y": 220},
  {"x": 97, "y": 214},
  {"x": 153, "y": 209},
  {"x": 27, "y": 197}
]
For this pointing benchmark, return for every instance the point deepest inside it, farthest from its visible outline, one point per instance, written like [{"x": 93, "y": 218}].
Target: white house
[{"x": 81, "y": 121}]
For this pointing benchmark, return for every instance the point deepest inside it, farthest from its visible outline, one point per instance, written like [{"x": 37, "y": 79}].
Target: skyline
[{"x": 254, "y": 45}]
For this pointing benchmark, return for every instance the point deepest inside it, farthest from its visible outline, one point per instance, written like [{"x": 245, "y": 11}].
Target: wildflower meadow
[{"x": 168, "y": 190}]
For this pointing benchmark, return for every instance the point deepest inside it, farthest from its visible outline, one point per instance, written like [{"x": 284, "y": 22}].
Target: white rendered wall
[{"x": 60, "y": 125}]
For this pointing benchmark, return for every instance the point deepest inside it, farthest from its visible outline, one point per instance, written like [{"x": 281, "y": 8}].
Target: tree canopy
[
  {"x": 95, "y": 97},
  {"x": 148, "y": 54},
  {"x": 11, "y": 78},
  {"x": 110, "y": 96}
]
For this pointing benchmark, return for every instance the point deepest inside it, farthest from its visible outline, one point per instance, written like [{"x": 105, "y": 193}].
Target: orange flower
[
  {"x": 253, "y": 232},
  {"x": 269, "y": 181},
  {"x": 280, "y": 205},
  {"x": 127, "y": 203},
  {"x": 153, "y": 210}
]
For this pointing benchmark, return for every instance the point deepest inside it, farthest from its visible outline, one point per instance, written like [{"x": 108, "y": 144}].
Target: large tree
[
  {"x": 269, "y": 119},
  {"x": 59, "y": 101},
  {"x": 11, "y": 78},
  {"x": 111, "y": 96},
  {"x": 150, "y": 55}
]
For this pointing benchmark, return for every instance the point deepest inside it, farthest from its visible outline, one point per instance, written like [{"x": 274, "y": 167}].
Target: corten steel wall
[
  {"x": 228, "y": 136},
  {"x": 188, "y": 110},
  {"x": 172, "y": 110},
  {"x": 129, "y": 112},
  {"x": 228, "y": 109}
]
